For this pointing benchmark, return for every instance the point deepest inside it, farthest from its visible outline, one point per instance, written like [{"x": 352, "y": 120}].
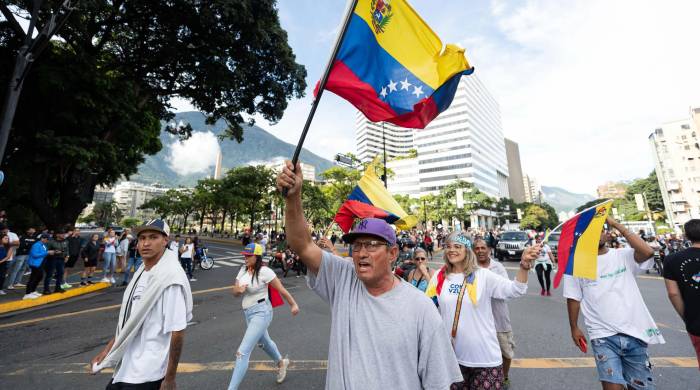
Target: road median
[{"x": 21, "y": 304}]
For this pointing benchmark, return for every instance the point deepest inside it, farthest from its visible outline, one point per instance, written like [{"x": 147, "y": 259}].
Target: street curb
[
  {"x": 220, "y": 240},
  {"x": 46, "y": 299}
]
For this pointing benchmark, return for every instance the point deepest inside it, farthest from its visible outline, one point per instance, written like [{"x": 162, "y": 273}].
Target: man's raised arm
[{"x": 298, "y": 236}]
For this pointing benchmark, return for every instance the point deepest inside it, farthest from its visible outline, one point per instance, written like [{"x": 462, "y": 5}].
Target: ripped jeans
[
  {"x": 257, "y": 318},
  {"x": 624, "y": 360}
]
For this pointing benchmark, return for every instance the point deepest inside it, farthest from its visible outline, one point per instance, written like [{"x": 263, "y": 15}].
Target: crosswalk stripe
[
  {"x": 216, "y": 266},
  {"x": 224, "y": 262}
]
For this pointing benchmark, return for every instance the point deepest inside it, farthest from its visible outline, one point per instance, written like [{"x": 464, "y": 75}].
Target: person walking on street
[
  {"x": 499, "y": 308},
  {"x": 10, "y": 262},
  {"x": 463, "y": 292},
  {"x": 133, "y": 260},
  {"x": 35, "y": 259},
  {"x": 75, "y": 247},
  {"x": 421, "y": 275},
  {"x": 155, "y": 310},
  {"x": 365, "y": 297},
  {"x": 55, "y": 263},
  {"x": 17, "y": 272},
  {"x": 618, "y": 322},
  {"x": 682, "y": 277},
  {"x": 252, "y": 283},
  {"x": 543, "y": 267},
  {"x": 109, "y": 256},
  {"x": 186, "y": 255},
  {"x": 428, "y": 244},
  {"x": 5, "y": 254},
  {"x": 90, "y": 254},
  {"x": 122, "y": 248}
]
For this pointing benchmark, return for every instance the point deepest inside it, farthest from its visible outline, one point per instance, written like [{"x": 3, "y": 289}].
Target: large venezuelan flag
[
  {"x": 392, "y": 66},
  {"x": 578, "y": 243},
  {"x": 369, "y": 199}
]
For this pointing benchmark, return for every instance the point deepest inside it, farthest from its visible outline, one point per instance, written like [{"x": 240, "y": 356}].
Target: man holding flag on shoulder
[
  {"x": 616, "y": 317},
  {"x": 367, "y": 302}
]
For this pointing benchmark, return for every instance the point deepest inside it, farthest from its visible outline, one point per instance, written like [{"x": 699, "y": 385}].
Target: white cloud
[
  {"x": 582, "y": 84},
  {"x": 195, "y": 155}
]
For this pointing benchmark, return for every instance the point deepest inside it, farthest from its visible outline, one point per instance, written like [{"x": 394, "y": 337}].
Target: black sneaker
[
  {"x": 90, "y": 282},
  {"x": 83, "y": 283},
  {"x": 48, "y": 292},
  {"x": 59, "y": 290},
  {"x": 124, "y": 284}
]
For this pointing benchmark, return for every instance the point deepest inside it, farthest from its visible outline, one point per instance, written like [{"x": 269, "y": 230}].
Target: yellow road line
[
  {"x": 76, "y": 313},
  {"x": 44, "y": 299},
  {"x": 312, "y": 365}
]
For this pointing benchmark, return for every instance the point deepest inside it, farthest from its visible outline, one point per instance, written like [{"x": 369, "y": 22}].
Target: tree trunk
[
  {"x": 59, "y": 200},
  {"x": 201, "y": 219},
  {"x": 223, "y": 220},
  {"x": 252, "y": 217}
]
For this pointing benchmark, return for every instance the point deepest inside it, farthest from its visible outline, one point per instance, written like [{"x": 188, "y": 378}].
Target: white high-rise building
[
  {"x": 676, "y": 152},
  {"x": 399, "y": 140},
  {"x": 130, "y": 196},
  {"x": 533, "y": 190},
  {"x": 465, "y": 142},
  {"x": 405, "y": 181}
]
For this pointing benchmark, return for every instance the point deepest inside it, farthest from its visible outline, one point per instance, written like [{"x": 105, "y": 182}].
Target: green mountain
[
  {"x": 258, "y": 146},
  {"x": 563, "y": 200}
]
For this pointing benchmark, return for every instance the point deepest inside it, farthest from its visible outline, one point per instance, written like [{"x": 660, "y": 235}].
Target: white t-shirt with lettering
[
  {"x": 146, "y": 356},
  {"x": 257, "y": 287},
  {"x": 612, "y": 303},
  {"x": 187, "y": 251}
]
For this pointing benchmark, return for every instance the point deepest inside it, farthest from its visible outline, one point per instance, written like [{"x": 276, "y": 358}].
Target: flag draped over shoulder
[
  {"x": 392, "y": 66},
  {"x": 369, "y": 199},
  {"x": 578, "y": 243}
]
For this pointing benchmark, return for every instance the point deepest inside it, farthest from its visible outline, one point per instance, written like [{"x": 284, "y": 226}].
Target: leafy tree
[
  {"x": 316, "y": 205},
  {"x": 203, "y": 198},
  {"x": 340, "y": 183},
  {"x": 93, "y": 102},
  {"x": 131, "y": 222},
  {"x": 162, "y": 205},
  {"x": 106, "y": 213},
  {"x": 648, "y": 186},
  {"x": 589, "y": 204},
  {"x": 255, "y": 189},
  {"x": 474, "y": 199},
  {"x": 535, "y": 217}
]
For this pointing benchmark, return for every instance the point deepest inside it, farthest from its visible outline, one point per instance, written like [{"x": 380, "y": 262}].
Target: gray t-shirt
[
  {"x": 393, "y": 341},
  {"x": 501, "y": 317}
]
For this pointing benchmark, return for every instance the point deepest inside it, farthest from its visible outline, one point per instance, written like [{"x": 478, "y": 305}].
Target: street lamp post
[{"x": 425, "y": 214}]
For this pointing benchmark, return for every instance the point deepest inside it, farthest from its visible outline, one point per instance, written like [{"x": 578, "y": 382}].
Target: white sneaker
[
  {"x": 66, "y": 286},
  {"x": 11, "y": 287},
  {"x": 37, "y": 294},
  {"x": 20, "y": 285},
  {"x": 112, "y": 280},
  {"x": 2, "y": 292},
  {"x": 193, "y": 280},
  {"x": 282, "y": 372},
  {"x": 29, "y": 296},
  {"x": 104, "y": 280}
]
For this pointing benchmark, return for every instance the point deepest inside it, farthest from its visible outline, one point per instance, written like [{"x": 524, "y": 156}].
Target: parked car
[
  {"x": 553, "y": 242},
  {"x": 511, "y": 245}
]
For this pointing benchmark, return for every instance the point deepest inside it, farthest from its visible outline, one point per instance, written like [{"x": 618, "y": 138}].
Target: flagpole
[{"x": 322, "y": 84}]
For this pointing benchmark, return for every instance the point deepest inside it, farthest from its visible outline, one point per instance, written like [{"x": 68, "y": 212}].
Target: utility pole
[
  {"x": 27, "y": 54},
  {"x": 384, "y": 147},
  {"x": 649, "y": 217},
  {"x": 425, "y": 214}
]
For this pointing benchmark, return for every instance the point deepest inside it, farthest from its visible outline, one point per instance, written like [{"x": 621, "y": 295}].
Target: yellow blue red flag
[
  {"x": 578, "y": 243},
  {"x": 393, "y": 67},
  {"x": 369, "y": 199}
]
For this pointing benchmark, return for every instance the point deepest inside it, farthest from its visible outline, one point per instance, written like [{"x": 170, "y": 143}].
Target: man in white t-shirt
[
  {"x": 617, "y": 320},
  {"x": 499, "y": 308},
  {"x": 156, "y": 307}
]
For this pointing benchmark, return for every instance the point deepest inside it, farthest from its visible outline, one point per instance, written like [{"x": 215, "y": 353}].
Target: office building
[
  {"x": 516, "y": 188},
  {"x": 676, "y": 152},
  {"x": 404, "y": 180},
  {"x": 533, "y": 190},
  {"x": 371, "y": 138},
  {"x": 130, "y": 196},
  {"x": 612, "y": 190}
]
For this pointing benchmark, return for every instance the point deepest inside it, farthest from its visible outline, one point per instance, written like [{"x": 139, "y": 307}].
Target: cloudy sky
[{"x": 581, "y": 84}]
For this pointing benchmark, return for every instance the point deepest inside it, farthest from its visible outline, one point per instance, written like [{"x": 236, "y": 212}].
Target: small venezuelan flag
[
  {"x": 578, "y": 243},
  {"x": 369, "y": 199},
  {"x": 435, "y": 287},
  {"x": 392, "y": 66}
]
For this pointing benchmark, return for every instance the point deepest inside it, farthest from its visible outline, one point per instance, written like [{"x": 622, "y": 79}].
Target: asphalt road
[{"x": 49, "y": 347}]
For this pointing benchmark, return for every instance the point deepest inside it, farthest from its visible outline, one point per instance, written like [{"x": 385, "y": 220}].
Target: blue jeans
[
  {"x": 257, "y": 318},
  {"x": 17, "y": 270},
  {"x": 623, "y": 359},
  {"x": 110, "y": 260},
  {"x": 133, "y": 261}
]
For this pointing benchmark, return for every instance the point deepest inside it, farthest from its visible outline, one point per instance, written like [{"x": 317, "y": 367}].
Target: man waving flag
[{"x": 393, "y": 67}]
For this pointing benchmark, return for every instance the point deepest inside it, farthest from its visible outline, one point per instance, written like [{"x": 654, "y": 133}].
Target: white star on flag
[
  {"x": 417, "y": 91},
  {"x": 383, "y": 93},
  {"x": 392, "y": 86},
  {"x": 405, "y": 84}
]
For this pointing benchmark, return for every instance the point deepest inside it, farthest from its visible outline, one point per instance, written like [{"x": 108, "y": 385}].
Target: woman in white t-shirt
[
  {"x": 252, "y": 283},
  {"x": 474, "y": 331},
  {"x": 186, "y": 256},
  {"x": 543, "y": 267}
]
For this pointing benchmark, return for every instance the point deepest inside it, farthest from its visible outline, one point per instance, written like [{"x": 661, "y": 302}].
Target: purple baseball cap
[{"x": 372, "y": 227}]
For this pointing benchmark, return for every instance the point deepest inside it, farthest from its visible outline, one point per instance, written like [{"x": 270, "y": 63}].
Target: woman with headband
[{"x": 462, "y": 291}]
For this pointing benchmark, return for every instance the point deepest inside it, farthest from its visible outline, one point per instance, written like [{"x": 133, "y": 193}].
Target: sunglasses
[{"x": 420, "y": 258}]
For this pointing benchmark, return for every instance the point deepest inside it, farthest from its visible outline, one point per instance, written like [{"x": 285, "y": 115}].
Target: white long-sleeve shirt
[{"x": 476, "y": 344}]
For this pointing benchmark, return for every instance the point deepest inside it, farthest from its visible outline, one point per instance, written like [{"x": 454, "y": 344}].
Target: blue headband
[{"x": 462, "y": 239}]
